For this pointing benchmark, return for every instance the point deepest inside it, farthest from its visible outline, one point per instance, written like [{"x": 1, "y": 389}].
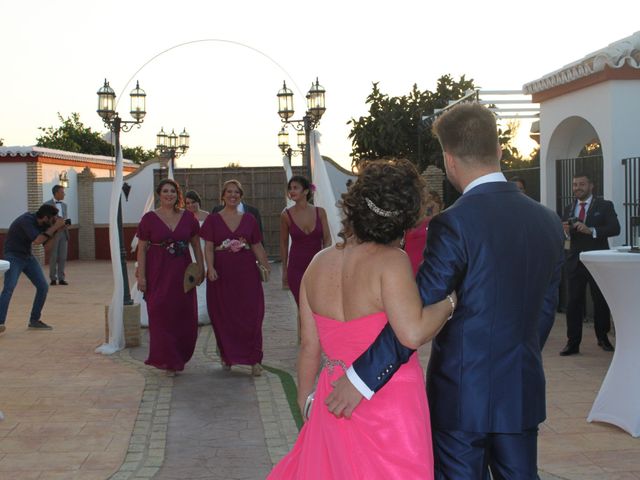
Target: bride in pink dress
[{"x": 349, "y": 293}]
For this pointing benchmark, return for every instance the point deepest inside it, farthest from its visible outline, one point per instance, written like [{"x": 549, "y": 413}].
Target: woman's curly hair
[{"x": 390, "y": 186}]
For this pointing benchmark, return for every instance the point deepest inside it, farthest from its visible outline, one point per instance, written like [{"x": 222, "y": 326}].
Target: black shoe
[
  {"x": 570, "y": 350},
  {"x": 62, "y": 282},
  {"x": 605, "y": 344},
  {"x": 53, "y": 282},
  {"x": 39, "y": 326}
]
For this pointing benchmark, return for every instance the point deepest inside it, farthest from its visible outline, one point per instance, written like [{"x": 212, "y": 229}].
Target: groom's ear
[{"x": 448, "y": 160}]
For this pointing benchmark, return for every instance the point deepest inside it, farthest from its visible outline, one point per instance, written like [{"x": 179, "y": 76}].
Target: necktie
[{"x": 582, "y": 213}]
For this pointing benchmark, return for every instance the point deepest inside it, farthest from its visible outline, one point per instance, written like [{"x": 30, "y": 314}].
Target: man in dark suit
[
  {"x": 588, "y": 223},
  {"x": 58, "y": 258},
  {"x": 243, "y": 207},
  {"x": 502, "y": 253}
]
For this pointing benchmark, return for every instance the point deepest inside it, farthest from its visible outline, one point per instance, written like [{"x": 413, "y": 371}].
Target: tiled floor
[
  {"x": 70, "y": 413},
  {"x": 569, "y": 446}
]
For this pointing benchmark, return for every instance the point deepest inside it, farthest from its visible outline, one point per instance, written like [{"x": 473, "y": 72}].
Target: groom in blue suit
[{"x": 502, "y": 252}]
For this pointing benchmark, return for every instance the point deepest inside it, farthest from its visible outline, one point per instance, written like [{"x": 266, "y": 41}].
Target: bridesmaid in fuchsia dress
[
  {"x": 309, "y": 231},
  {"x": 235, "y": 298},
  {"x": 163, "y": 256}
]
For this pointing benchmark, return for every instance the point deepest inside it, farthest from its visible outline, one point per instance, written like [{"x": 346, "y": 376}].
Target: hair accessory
[
  {"x": 379, "y": 211},
  {"x": 312, "y": 187}
]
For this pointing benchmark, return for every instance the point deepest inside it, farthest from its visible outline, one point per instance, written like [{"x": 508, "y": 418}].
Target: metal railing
[{"x": 631, "y": 193}]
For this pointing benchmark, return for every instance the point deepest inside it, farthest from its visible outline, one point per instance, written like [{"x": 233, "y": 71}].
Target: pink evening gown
[
  {"x": 386, "y": 438},
  {"x": 415, "y": 240}
]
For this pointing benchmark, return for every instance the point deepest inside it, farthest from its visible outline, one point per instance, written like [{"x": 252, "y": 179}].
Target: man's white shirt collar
[{"x": 488, "y": 178}]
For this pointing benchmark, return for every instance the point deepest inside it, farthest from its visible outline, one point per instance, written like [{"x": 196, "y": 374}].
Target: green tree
[
  {"x": 138, "y": 154},
  {"x": 1, "y": 142},
  {"x": 72, "y": 136},
  {"x": 394, "y": 125}
]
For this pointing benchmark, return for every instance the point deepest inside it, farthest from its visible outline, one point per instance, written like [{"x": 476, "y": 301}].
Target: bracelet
[{"x": 453, "y": 306}]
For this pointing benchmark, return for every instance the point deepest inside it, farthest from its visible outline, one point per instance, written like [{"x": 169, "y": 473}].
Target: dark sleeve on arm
[
  {"x": 550, "y": 304},
  {"x": 611, "y": 228},
  {"x": 30, "y": 230},
  {"x": 383, "y": 358},
  {"x": 437, "y": 277}
]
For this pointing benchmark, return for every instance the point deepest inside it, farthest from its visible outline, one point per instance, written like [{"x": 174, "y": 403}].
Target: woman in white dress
[{"x": 192, "y": 204}]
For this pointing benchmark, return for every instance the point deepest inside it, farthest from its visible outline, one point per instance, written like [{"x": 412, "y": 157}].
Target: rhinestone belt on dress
[{"x": 330, "y": 364}]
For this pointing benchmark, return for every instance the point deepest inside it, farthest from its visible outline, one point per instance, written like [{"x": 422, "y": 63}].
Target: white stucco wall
[
  {"x": 13, "y": 185},
  {"x": 611, "y": 110},
  {"x": 51, "y": 176},
  {"x": 141, "y": 183}
]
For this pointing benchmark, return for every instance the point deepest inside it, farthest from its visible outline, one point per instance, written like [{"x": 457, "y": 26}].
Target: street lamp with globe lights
[
  {"x": 112, "y": 120},
  {"x": 172, "y": 145},
  {"x": 304, "y": 126}
]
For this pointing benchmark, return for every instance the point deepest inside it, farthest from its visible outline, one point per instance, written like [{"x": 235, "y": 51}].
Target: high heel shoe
[{"x": 256, "y": 370}]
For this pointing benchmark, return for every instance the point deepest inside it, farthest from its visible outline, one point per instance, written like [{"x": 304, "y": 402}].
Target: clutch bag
[
  {"x": 191, "y": 276},
  {"x": 264, "y": 273},
  {"x": 306, "y": 411}
]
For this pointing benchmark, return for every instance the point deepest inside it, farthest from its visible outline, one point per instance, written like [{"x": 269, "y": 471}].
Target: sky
[{"x": 56, "y": 54}]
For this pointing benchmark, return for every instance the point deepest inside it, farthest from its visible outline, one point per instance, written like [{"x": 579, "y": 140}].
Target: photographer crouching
[
  {"x": 588, "y": 223},
  {"x": 29, "y": 229}
]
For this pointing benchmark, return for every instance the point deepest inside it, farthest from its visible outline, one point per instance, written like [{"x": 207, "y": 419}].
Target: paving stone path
[
  {"x": 71, "y": 414},
  {"x": 207, "y": 423}
]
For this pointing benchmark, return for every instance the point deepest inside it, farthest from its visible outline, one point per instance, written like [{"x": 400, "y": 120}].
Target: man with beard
[
  {"x": 588, "y": 223},
  {"x": 26, "y": 230}
]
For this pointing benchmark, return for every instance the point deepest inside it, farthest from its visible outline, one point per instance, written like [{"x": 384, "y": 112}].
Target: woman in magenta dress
[
  {"x": 415, "y": 239},
  {"x": 348, "y": 295},
  {"x": 309, "y": 231},
  {"x": 163, "y": 256},
  {"x": 235, "y": 299}
]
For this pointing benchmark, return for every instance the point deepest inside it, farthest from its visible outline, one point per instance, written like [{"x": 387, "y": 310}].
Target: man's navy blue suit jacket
[{"x": 502, "y": 253}]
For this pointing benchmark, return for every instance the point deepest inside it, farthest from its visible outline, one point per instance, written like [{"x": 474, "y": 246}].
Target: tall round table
[
  {"x": 617, "y": 273},
  {"x": 4, "y": 266}
]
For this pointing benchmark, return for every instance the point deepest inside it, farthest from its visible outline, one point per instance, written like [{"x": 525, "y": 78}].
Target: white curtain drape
[
  {"x": 116, "y": 324},
  {"x": 324, "y": 196},
  {"x": 137, "y": 295},
  {"x": 170, "y": 171},
  {"x": 286, "y": 164}
]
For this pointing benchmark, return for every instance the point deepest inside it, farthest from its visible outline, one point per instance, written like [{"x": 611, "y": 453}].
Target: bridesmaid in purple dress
[
  {"x": 163, "y": 255},
  {"x": 235, "y": 299},
  {"x": 309, "y": 231}
]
